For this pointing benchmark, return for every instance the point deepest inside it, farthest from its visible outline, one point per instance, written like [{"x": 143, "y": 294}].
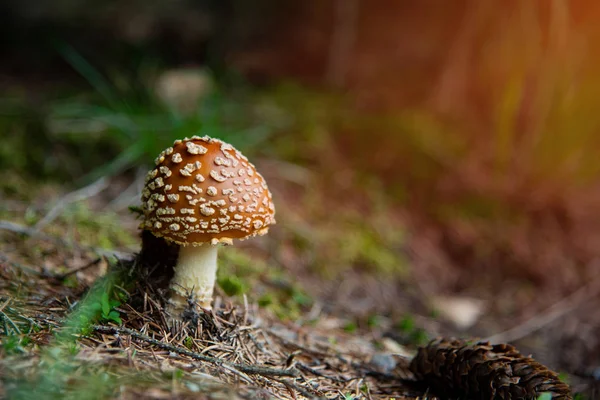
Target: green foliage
[
  {"x": 266, "y": 300},
  {"x": 102, "y": 229},
  {"x": 309, "y": 115},
  {"x": 406, "y": 324},
  {"x": 545, "y": 396},
  {"x": 370, "y": 322},
  {"x": 299, "y": 296},
  {"x": 60, "y": 374},
  {"x": 364, "y": 388},
  {"x": 373, "y": 321},
  {"x": 94, "y": 228},
  {"x": 286, "y": 300},
  {"x": 123, "y": 121},
  {"x": 24, "y": 140},
  {"x": 105, "y": 309},
  {"x": 71, "y": 281},
  {"x": 178, "y": 374},
  {"x": 15, "y": 344},
  {"x": 232, "y": 285},
  {"x": 272, "y": 287},
  {"x": 564, "y": 377},
  {"x": 61, "y": 380},
  {"x": 410, "y": 332},
  {"x": 130, "y": 112},
  {"x": 353, "y": 241},
  {"x": 136, "y": 210},
  {"x": 98, "y": 306},
  {"x": 351, "y": 327},
  {"x": 419, "y": 337}
]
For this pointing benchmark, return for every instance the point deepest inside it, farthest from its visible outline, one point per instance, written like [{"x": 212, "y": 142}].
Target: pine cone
[{"x": 484, "y": 371}]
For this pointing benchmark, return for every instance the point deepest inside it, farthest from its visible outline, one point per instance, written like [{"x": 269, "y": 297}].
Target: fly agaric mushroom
[{"x": 202, "y": 193}]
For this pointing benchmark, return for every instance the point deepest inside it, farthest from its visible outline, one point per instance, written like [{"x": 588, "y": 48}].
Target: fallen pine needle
[{"x": 246, "y": 368}]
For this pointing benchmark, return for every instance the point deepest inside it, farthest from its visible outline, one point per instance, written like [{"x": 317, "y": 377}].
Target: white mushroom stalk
[
  {"x": 194, "y": 279},
  {"x": 203, "y": 192}
]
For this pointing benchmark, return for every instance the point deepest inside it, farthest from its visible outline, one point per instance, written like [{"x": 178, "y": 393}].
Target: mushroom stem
[{"x": 195, "y": 274}]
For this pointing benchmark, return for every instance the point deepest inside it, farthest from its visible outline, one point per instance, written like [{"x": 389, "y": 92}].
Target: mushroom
[{"x": 202, "y": 193}]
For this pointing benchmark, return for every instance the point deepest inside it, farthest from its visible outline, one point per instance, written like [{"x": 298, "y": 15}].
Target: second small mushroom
[{"x": 202, "y": 193}]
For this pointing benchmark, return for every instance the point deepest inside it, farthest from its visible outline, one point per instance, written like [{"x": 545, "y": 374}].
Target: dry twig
[
  {"x": 78, "y": 195},
  {"x": 78, "y": 269},
  {"x": 556, "y": 311},
  {"x": 246, "y": 368}
]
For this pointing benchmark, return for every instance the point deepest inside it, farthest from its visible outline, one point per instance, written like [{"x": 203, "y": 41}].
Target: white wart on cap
[{"x": 204, "y": 190}]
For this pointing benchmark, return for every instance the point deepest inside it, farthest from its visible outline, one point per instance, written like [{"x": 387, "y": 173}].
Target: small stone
[{"x": 383, "y": 362}]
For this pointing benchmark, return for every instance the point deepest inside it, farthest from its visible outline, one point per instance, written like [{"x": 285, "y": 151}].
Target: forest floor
[{"x": 279, "y": 329}]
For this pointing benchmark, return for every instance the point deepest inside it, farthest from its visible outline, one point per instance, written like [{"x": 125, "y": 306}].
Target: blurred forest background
[{"x": 419, "y": 152}]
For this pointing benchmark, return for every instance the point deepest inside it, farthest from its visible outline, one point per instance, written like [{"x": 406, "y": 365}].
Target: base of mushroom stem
[{"x": 178, "y": 304}]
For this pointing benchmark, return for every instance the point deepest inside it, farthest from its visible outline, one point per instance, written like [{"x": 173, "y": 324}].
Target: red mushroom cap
[{"x": 203, "y": 190}]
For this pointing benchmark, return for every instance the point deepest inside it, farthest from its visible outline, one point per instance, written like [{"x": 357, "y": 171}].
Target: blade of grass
[
  {"x": 92, "y": 75},
  {"x": 117, "y": 165}
]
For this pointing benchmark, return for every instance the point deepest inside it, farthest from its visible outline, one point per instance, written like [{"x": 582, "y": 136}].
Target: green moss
[
  {"x": 94, "y": 228},
  {"x": 410, "y": 332},
  {"x": 350, "y": 327},
  {"x": 266, "y": 300},
  {"x": 419, "y": 337},
  {"x": 289, "y": 301},
  {"x": 232, "y": 285},
  {"x": 349, "y": 240},
  {"x": 406, "y": 324},
  {"x": 178, "y": 374},
  {"x": 373, "y": 321},
  {"x": 271, "y": 286}
]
